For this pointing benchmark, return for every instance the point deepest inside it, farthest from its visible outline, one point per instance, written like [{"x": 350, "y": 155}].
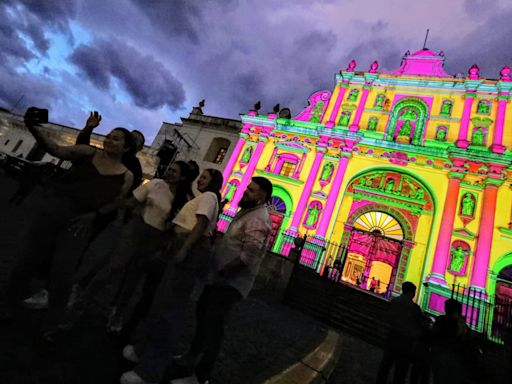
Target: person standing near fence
[{"x": 405, "y": 320}]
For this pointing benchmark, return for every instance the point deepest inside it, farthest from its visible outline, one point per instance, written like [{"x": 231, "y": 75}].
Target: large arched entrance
[
  {"x": 387, "y": 208},
  {"x": 502, "y": 317}
]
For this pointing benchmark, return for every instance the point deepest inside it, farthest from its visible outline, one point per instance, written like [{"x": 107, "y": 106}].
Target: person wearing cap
[{"x": 237, "y": 260}]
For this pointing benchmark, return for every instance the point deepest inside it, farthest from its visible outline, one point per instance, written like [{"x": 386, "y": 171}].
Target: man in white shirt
[{"x": 237, "y": 260}]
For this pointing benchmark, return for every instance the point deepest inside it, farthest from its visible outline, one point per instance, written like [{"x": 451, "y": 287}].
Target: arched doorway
[
  {"x": 373, "y": 251},
  {"x": 277, "y": 211},
  {"x": 502, "y": 318}
]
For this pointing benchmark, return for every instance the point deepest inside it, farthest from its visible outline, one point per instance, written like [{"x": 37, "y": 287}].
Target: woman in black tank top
[{"x": 96, "y": 180}]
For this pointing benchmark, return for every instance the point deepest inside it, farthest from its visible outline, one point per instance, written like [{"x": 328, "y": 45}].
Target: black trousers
[{"x": 212, "y": 311}]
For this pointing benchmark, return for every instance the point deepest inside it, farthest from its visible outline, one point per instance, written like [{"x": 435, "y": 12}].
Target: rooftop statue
[{"x": 474, "y": 72}]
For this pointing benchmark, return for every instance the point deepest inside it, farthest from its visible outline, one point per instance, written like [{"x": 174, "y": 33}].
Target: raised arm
[
  {"x": 71, "y": 152},
  {"x": 84, "y": 137}
]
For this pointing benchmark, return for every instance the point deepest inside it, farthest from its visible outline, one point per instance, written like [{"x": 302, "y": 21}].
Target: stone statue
[
  {"x": 390, "y": 186},
  {"x": 474, "y": 72},
  {"x": 345, "y": 117},
  {"x": 468, "y": 205},
  {"x": 483, "y": 107},
  {"x": 458, "y": 259},
  {"x": 409, "y": 114},
  {"x": 353, "y": 95},
  {"x": 446, "y": 109},
  {"x": 505, "y": 74},
  {"x": 379, "y": 101},
  {"x": 405, "y": 129},
  {"x": 231, "y": 192},
  {"x": 478, "y": 137},
  {"x": 372, "y": 125},
  {"x": 441, "y": 135},
  {"x": 312, "y": 216},
  {"x": 247, "y": 155},
  {"x": 374, "y": 67},
  {"x": 326, "y": 172}
]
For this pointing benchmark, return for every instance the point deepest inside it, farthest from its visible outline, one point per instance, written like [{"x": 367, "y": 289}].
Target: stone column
[
  {"x": 497, "y": 142},
  {"x": 334, "y": 193},
  {"x": 484, "y": 243},
  {"x": 342, "y": 88},
  {"x": 306, "y": 192},
  {"x": 445, "y": 230},
  {"x": 354, "y": 127},
  {"x": 233, "y": 159},
  {"x": 462, "y": 140},
  {"x": 246, "y": 179}
]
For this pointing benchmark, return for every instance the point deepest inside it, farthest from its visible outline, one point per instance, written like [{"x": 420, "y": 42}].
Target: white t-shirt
[
  {"x": 205, "y": 204},
  {"x": 156, "y": 198}
]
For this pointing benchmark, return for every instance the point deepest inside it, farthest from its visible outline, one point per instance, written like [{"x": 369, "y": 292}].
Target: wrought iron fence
[{"x": 488, "y": 315}]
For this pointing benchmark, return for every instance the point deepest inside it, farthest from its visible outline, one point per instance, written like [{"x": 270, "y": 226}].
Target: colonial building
[
  {"x": 408, "y": 170},
  {"x": 208, "y": 140},
  {"x": 16, "y": 140}
]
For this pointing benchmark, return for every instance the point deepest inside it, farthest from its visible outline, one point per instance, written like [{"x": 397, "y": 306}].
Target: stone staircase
[{"x": 340, "y": 305}]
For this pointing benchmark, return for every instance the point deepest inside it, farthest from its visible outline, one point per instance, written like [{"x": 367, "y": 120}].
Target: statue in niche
[
  {"x": 483, "y": 107},
  {"x": 409, "y": 114},
  {"x": 457, "y": 260},
  {"x": 372, "y": 125},
  {"x": 446, "y": 108},
  {"x": 468, "y": 205},
  {"x": 351, "y": 66},
  {"x": 405, "y": 129},
  {"x": 313, "y": 212},
  {"x": 353, "y": 95},
  {"x": 247, "y": 155},
  {"x": 231, "y": 191},
  {"x": 345, "y": 117},
  {"x": 390, "y": 186},
  {"x": 327, "y": 171},
  {"x": 379, "y": 101},
  {"x": 441, "y": 134},
  {"x": 478, "y": 137}
]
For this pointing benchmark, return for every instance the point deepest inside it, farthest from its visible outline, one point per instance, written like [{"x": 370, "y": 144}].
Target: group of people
[
  {"x": 444, "y": 350},
  {"x": 100, "y": 227}
]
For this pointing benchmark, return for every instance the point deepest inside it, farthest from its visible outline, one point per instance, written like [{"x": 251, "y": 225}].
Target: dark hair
[
  {"x": 452, "y": 307},
  {"x": 129, "y": 142},
  {"x": 408, "y": 287},
  {"x": 215, "y": 184},
  {"x": 194, "y": 170},
  {"x": 183, "y": 189},
  {"x": 140, "y": 133},
  {"x": 265, "y": 185}
]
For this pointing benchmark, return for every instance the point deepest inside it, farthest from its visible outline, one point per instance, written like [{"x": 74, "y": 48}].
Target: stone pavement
[{"x": 263, "y": 338}]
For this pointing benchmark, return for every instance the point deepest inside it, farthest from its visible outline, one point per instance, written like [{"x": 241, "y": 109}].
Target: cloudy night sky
[{"x": 141, "y": 62}]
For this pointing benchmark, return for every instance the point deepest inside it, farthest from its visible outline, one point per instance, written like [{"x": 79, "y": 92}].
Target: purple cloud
[{"x": 147, "y": 81}]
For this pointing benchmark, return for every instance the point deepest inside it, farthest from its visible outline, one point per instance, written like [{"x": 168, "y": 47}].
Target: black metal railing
[{"x": 489, "y": 315}]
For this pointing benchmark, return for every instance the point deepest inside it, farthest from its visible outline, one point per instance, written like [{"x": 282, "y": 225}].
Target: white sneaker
[
  {"x": 131, "y": 377},
  {"x": 129, "y": 354},
  {"x": 187, "y": 380},
  {"x": 38, "y": 300}
]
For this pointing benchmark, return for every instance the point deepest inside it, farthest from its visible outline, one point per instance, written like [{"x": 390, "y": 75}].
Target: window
[
  {"x": 220, "y": 155},
  {"x": 17, "y": 146},
  {"x": 287, "y": 168},
  {"x": 217, "y": 150}
]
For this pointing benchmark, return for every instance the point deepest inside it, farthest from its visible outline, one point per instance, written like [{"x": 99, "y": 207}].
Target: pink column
[
  {"x": 445, "y": 230},
  {"x": 332, "y": 198},
  {"x": 306, "y": 192},
  {"x": 497, "y": 142},
  {"x": 298, "y": 168},
  {"x": 233, "y": 159},
  {"x": 484, "y": 243},
  {"x": 247, "y": 176},
  {"x": 354, "y": 127},
  {"x": 462, "y": 140},
  {"x": 332, "y": 119}
]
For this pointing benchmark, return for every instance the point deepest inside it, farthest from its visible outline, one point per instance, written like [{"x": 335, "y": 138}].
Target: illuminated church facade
[{"x": 408, "y": 170}]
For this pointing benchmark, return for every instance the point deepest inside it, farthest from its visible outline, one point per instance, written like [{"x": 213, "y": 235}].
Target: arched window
[
  {"x": 379, "y": 101},
  {"x": 479, "y": 137},
  {"x": 352, "y": 96},
  {"x": 483, "y": 107},
  {"x": 217, "y": 150},
  {"x": 446, "y": 108}
]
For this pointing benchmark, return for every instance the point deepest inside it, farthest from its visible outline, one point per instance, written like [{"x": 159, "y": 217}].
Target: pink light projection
[{"x": 421, "y": 63}]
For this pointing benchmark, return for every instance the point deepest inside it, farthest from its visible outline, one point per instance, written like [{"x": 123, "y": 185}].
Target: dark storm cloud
[
  {"x": 489, "y": 46},
  {"x": 55, "y": 12},
  {"x": 175, "y": 18},
  {"x": 147, "y": 81}
]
